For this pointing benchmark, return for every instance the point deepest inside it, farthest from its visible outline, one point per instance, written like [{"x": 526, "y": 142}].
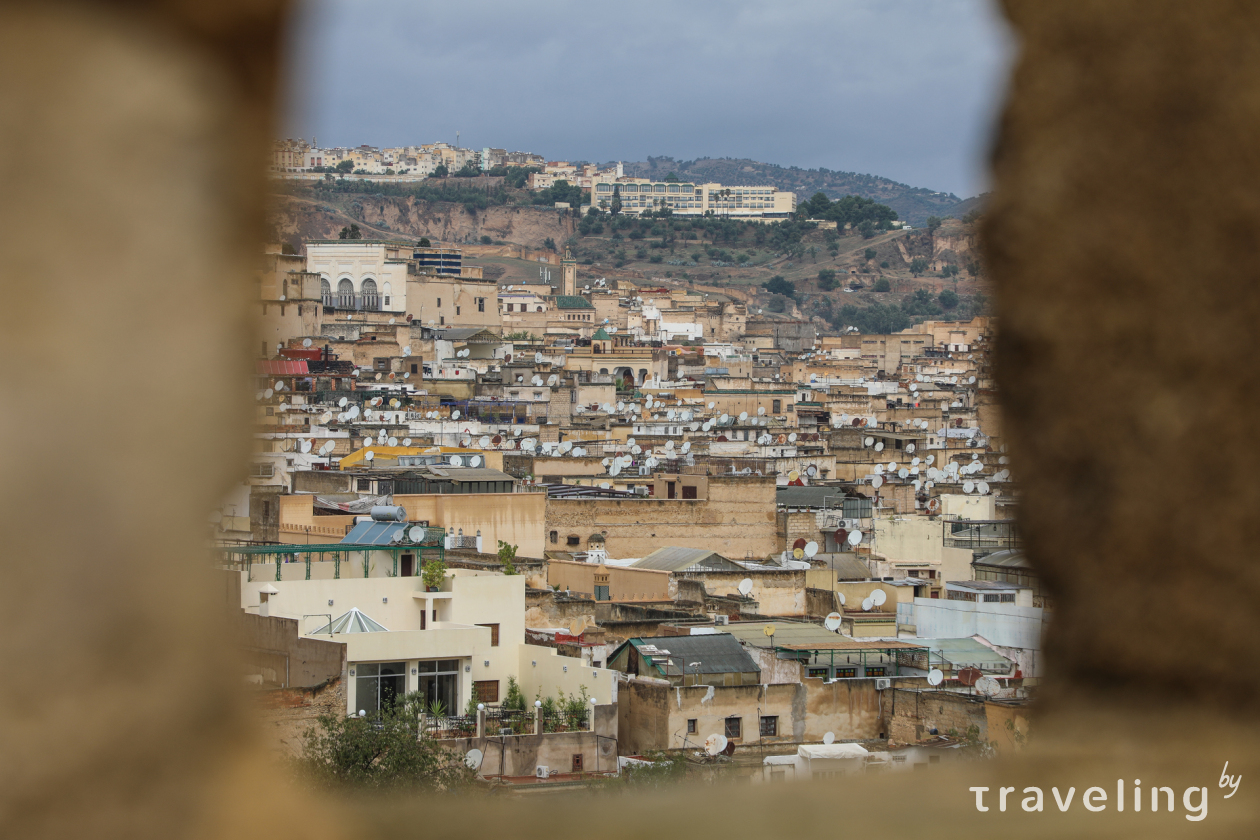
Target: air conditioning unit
[
  {"x": 541, "y": 771},
  {"x": 722, "y": 619},
  {"x": 882, "y": 683}
]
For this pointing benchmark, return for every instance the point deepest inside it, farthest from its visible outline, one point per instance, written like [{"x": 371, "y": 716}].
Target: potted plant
[{"x": 433, "y": 573}]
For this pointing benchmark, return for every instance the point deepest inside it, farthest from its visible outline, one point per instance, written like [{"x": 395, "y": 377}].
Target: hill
[{"x": 913, "y": 204}]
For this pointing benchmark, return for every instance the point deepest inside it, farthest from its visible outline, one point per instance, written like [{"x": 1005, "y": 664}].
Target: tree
[
  {"x": 515, "y": 698},
  {"x": 485, "y": 240},
  {"x": 424, "y": 243},
  {"x": 777, "y": 285},
  {"x": 616, "y": 200},
  {"x": 549, "y": 243},
  {"x": 351, "y": 232},
  {"x": 949, "y": 270},
  {"x": 468, "y": 170},
  {"x": 440, "y": 171},
  {"x": 827, "y": 279},
  {"x": 344, "y": 166},
  {"x": 778, "y": 303},
  {"x": 867, "y": 229},
  {"x": 933, "y": 222},
  {"x": 882, "y": 285},
  {"x": 433, "y": 572},
  {"x": 948, "y": 299},
  {"x": 384, "y": 752},
  {"x": 507, "y": 554},
  {"x": 869, "y": 253},
  {"x": 918, "y": 265}
]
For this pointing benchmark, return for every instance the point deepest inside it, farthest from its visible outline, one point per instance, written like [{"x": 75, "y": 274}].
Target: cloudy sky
[{"x": 904, "y": 89}]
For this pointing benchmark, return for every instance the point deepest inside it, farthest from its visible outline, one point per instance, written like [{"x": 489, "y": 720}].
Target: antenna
[
  {"x": 768, "y": 630},
  {"x": 811, "y": 548},
  {"x": 715, "y": 744},
  {"x": 473, "y": 758},
  {"x": 935, "y": 676},
  {"x": 832, "y": 622},
  {"x": 745, "y": 587},
  {"x": 829, "y": 738},
  {"x": 878, "y": 597}
]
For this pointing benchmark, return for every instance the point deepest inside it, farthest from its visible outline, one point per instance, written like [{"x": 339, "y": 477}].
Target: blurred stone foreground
[{"x": 1123, "y": 237}]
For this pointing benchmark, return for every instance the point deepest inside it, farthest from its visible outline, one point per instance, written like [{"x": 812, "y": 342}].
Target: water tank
[{"x": 389, "y": 513}]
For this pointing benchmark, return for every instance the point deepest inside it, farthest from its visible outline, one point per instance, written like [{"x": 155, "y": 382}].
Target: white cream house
[{"x": 463, "y": 641}]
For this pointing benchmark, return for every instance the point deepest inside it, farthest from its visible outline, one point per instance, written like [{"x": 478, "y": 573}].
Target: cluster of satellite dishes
[{"x": 463, "y": 354}]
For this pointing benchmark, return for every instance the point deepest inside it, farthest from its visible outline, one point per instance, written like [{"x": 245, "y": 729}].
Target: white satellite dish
[
  {"x": 870, "y": 441},
  {"x": 367, "y": 441},
  {"x": 455, "y": 414},
  {"x": 988, "y": 686},
  {"x": 715, "y": 744},
  {"x": 811, "y": 548},
  {"x": 935, "y": 677},
  {"x": 982, "y": 488},
  {"x": 456, "y": 461},
  {"x": 854, "y": 538},
  {"x": 711, "y": 405},
  {"x": 829, "y": 738},
  {"x": 832, "y": 621},
  {"x": 867, "y": 603},
  {"x": 877, "y": 482},
  {"x": 615, "y": 470},
  {"x": 743, "y": 415},
  {"x": 268, "y": 393},
  {"x": 686, "y": 446},
  {"x": 407, "y": 350},
  {"x": 903, "y": 473},
  {"x": 538, "y": 357},
  {"x": 406, "y": 442},
  {"x": 484, "y": 441},
  {"x": 909, "y": 447},
  {"x": 369, "y": 455},
  {"x": 745, "y": 587},
  {"x": 879, "y": 447},
  {"x": 474, "y": 461},
  {"x": 968, "y": 486},
  {"x": 878, "y": 597},
  {"x": 306, "y": 342}
]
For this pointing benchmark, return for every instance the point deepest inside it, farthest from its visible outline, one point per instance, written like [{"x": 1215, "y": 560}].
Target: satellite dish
[
  {"x": 811, "y": 548},
  {"x": 878, "y": 597},
  {"x": 798, "y": 553},
  {"x": 306, "y": 342},
  {"x": 877, "y": 482},
  {"x": 867, "y": 603},
  {"x": 832, "y": 622},
  {"x": 879, "y": 447},
  {"x": 745, "y": 587},
  {"x": 768, "y": 629},
  {"x": 743, "y": 415},
  {"x": 369, "y": 455},
  {"x": 538, "y": 357},
  {"x": 968, "y": 486},
  {"x": 854, "y": 537},
  {"x": 456, "y": 461},
  {"x": 935, "y": 677},
  {"x": 407, "y": 350},
  {"x": 715, "y": 744},
  {"x": 406, "y": 442},
  {"x": 711, "y": 405},
  {"x": 615, "y": 470},
  {"x": 840, "y": 595},
  {"x": 988, "y": 686},
  {"x": 829, "y": 738},
  {"x": 870, "y": 441},
  {"x": 474, "y": 461},
  {"x": 455, "y": 414}
]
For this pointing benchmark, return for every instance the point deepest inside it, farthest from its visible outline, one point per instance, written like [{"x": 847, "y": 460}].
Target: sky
[{"x": 903, "y": 89}]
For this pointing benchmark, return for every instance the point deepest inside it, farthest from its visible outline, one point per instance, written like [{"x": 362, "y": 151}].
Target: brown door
[{"x": 408, "y": 565}]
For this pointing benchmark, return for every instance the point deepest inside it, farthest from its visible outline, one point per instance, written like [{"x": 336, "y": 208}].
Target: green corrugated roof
[{"x": 572, "y": 302}]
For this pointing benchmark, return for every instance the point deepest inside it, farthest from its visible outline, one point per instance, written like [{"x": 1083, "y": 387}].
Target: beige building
[{"x": 685, "y": 198}]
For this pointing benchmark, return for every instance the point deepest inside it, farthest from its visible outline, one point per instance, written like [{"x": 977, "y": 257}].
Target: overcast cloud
[{"x": 905, "y": 89}]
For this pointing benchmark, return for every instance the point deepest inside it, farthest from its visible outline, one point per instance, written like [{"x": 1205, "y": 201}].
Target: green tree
[
  {"x": 949, "y": 270},
  {"x": 440, "y": 171},
  {"x": 513, "y": 699},
  {"x": 948, "y": 299},
  {"x": 934, "y": 222},
  {"x": 778, "y": 303},
  {"x": 384, "y": 752},
  {"x": 615, "y": 207},
  {"x": 424, "y": 242},
  {"x": 344, "y": 167},
  {"x": 433, "y": 572},
  {"x": 827, "y": 279},
  {"x": 485, "y": 240},
  {"x": 867, "y": 228},
  {"x": 882, "y": 285},
  {"x": 549, "y": 243},
  {"x": 869, "y": 253},
  {"x": 918, "y": 265},
  {"x": 351, "y": 232},
  {"x": 777, "y": 285},
  {"x": 507, "y": 557},
  {"x": 468, "y": 170}
]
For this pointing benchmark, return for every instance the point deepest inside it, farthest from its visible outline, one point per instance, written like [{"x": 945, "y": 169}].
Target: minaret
[{"x": 568, "y": 274}]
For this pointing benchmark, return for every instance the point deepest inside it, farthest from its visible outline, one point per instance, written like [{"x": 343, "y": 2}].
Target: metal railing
[
  {"x": 565, "y": 721},
  {"x": 452, "y": 726},
  {"x": 519, "y": 721}
]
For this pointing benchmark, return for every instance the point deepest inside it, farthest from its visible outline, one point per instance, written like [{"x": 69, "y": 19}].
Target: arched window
[
  {"x": 325, "y": 289},
  {"x": 345, "y": 294},
  {"x": 371, "y": 302},
  {"x": 386, "y": 292}
]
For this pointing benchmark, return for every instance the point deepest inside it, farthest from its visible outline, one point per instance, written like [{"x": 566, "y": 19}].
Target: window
[
  {"x": 670, "y": 490},
  {"x": 266, "y": 510},
  {"x": 874, "y": 672},
  {"x": 439, "y": 303},
  {"x": 439, "y": 681},
  {"x": 263, "y": 470},
  {"x": 846, "y": 672},
  {"x": 270, "y": 411},
  {"x": 441, "y": 320},
  {"x": 457, "y": 310},
  {"x": 378, "y": 684},
  {"x": 415, "y": 368},
  {"x": 325, "y": 291},
  {"x": 573, "y": 539},
  {"x": 776, "y": 406},
  {"x": 481, "y": 304},
  {"x": 817, "y": 673},
  {"x": 363, "y": 485},
  {"x": 494, "y": 633},
  {"x": 769, "y": 726},
  {"x": 345, "y": 294},
  {"x": 371, "y": 302},
  {"x": 577, "y": 763},
  {"x": 734, "y": 726},
  {"x": 689, "y": 491},
  {"x": 486, "y": 691},
  {"x": 691, "y": 726}
]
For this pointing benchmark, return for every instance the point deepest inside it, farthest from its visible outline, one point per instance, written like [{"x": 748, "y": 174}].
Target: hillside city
[{"x": 612, "y": 475}]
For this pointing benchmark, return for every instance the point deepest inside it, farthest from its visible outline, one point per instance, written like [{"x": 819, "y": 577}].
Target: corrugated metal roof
[
  {"x": 572, "y": 302},
  {"x": 678, "y": 559},
  {"x": 1008, "y": 558},
  {"x": 846, "y": 566},
  {"x": 717, "y": 653},
  {"x": 967, "y": 652},
  {"x": 785, "y": 633},
  {"x": 280, "y": 367}
]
